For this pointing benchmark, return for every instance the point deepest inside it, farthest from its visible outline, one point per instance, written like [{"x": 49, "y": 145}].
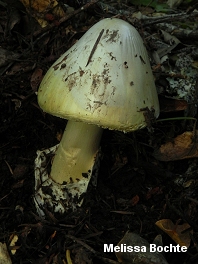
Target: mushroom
[{"x": 103, "y": 81}]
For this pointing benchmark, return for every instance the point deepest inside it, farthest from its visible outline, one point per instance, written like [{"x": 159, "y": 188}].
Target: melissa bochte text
[{"x": 151, "y": 248}]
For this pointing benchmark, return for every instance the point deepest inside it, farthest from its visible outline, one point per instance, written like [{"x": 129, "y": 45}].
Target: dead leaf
[
  {"x": 144, "y": 256},
  {"x": 36, "y": 79},
  {"x": 53, "y": 235},
  {"x": 153, "y": 191},
  {"x": 172, "y": 105},
  {"x": 59, "y": 135},
  {"x": 40, "y": 5},
  {"x": 174, "y": 3},
  {"x": 20, "y": 67},
  {"x": 14, "y": 19},
  {"x": 17, "y": 103},
  {"x": 17, "y": 185},
  {"x": 176, "y": 232},
  {"x": 19, "y": 171},
  {"x": 7, "y": 56},
  {"x": 14, "y": 238},
  {"x": 44, "y": 11},
  {"x": 4, "y": 255},
  {"x": 81, "y": 256},
  {"x": 170, "y": 39},
  {"x": 135, "y": 200},
  {"x": 184, "y": 146}
]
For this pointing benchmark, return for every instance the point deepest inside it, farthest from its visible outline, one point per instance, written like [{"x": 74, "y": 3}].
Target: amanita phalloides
[{"x": 103, "y": 81}]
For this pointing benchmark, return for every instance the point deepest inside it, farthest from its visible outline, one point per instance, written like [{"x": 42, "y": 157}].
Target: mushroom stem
[{"x": 76, "y": 153}]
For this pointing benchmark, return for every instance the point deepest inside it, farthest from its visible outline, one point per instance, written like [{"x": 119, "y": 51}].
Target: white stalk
[
  {"x": 76, "y": 153},
  {"x": 76, "y": 159}
]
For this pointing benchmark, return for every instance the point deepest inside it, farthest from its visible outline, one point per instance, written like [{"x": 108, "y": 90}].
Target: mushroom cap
[{"x": 104, "y": 79}]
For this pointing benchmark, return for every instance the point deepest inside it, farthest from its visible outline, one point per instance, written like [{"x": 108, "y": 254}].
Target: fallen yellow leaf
[
  {"x": 40, "y": 5},
  {"x": 44, "y": 11},
  {"x": 176, "y": 232}
]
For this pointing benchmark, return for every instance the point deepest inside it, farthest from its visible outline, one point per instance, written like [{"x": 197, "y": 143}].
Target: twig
[
  {"x": 94, "y": 47},
  {"x": 147, "y": 20},
  {"x": 112, "y": 10},
  {"x": 81, "y": 243},
  {"x": 97, "y": 254},
  {"x": 172, "y": 17},
  {"x": 65, "y": 18},
  {"x": 178, "y": 32}
]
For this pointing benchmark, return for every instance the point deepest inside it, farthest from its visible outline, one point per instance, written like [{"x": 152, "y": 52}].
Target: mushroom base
[{"x": 55, "y": 197}]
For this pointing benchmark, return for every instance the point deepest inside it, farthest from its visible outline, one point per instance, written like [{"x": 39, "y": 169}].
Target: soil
[{"x": 134, "y": 189}]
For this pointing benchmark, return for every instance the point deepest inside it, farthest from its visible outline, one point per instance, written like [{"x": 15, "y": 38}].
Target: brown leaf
[
  {"x": 153, "y": 191},
  {"x": 135, "y": 200},
  {"x": 172, "y": 105},
  {"x": 17, "y": 185},
  {"x": 40, "y": 5},
  {"x": 19, "y": 171},
  {"x": 184, "y": 146},
  {"x": 20, "y": 67},
  {"x": 36, "y": 79},
  {"x": 43, "y": 9},
  {"x": 176, "y": 232}
]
